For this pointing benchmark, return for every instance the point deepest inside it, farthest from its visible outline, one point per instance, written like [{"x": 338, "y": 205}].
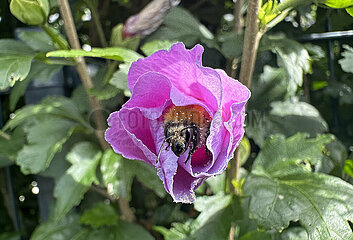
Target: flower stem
[
  {"x": 97, "y": 22},
  {"x": 88, "y": 84}
]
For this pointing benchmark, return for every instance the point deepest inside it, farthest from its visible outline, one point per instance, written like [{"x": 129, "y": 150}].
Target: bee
[{"x": 185, "y": 127}]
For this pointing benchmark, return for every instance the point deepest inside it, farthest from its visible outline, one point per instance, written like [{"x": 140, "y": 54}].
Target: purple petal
[{"x": 183, "y": 68}]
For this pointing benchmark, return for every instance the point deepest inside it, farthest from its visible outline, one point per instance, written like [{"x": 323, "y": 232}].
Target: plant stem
[
  {"x": 56, "y": 37},
  {"x": 252, "y": 38},
  {"x": 5, "y": 135},
  {"x": 88, "y": 84},
  {"x": 251, "y": 42},
  {"x": 238, "y": 17},
  {"x": 98, "y": 23}
]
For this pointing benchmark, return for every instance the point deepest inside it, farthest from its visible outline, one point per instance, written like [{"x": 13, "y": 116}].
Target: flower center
[{"x": 186, "y": 127}]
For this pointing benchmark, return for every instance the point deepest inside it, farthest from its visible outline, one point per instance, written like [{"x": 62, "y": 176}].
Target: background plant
[{"x": 290, "y": 179}]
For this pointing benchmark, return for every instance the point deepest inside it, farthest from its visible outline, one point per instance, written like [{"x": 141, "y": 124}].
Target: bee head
[{"x": 178, "y": 137}]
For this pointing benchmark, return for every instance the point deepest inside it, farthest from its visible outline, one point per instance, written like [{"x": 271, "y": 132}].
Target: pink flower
[{"x": 172, "y": 93}]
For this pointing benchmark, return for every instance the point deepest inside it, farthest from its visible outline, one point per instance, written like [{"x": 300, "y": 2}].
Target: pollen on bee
[{"x": 191, "y": 113}]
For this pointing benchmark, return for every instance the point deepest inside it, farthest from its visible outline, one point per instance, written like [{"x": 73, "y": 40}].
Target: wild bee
[{"x": 185, "y": 127}]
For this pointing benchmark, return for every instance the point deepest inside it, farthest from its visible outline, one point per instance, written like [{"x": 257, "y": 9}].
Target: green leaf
[
  {"x": 37, "y": 40},
  {"x": 228, "y": 41},
  {"x": 256, "y": 235},
  {"x": 118, "y": 174},
  {"x": 294, "y": 233},
  {"x": 338, "y": 3},
  {"x": 292, "y": 56},
  {"x": 119, "y": 79},
  {"x": 10, "y": 236},
  {"x": 347, "y": 60},
  {"x": 284, "y": 118},
  {"x": 155, "y": 45},
  {"x": 39, "y": 71},
  {"x": 101, "y": 214},
  {"x": 348, "y": 167},
  {"x": 108, "y": 91},
  {"x": 283, "y": 189},
  {"x": 217, "y": 183},
  {"x": 180, "y": 25},
  {"x": 268, "y": 12},
  {"x": 10, "y": 148},
  {"x": 350, "y": 11},
  {"x": 84, "y": 157},
  {"x": 68, "y": 194},
  {"x": 214, "y": 222},
  {"x": 65, "y": 229},
  {"x": 270, "y": 86},
  {"x": 119, "y": 54},
  {"x": 15, "y": 62},
  {"x": 45, "y": 138},
  {"x": 122, "y": 231},
  {"x": 54, "y": 105}
]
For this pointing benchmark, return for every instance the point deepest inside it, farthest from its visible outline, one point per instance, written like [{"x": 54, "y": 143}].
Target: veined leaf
[
  {"x": 65, "y": 229},
  {"x": 116, "y": 53},
  {"x": 54, "y": 105},
  {"x": 100, "y": 215},
  {"x": 84, "y": 157},
  {"x": 15, "y": 62},
  {"x": 347, "y": 60},
  {"x": 68, "y": 194},
  {"x": 283, "y": 189},
  {"x": 118, "y": 174},
  {"x": 45, "y": 138}
]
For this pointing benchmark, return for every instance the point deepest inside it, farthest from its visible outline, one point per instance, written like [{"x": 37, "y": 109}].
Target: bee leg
[{"x": 189, "y": 156}]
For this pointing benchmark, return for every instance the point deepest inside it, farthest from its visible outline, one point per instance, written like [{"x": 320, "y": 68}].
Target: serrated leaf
[
  {"x": 347, "y": 60},
  {"x": 283, "y": 189},
  {"x": 100, "y": 215},
  {"x": 118, "y": 174},
  {"x": 155, "y": 45},
  {"x": 214, "y": 222},
  {"x": 54, "y": 105},
  {"x": 283, "y": 119},
  {"x": 84, "y": 157},
  {"x": 292, "y": 56},
  {"x": 15, "y": 62},
  {"x": 45, "y": 138},
  {"x": 270, "y": 86},
  {"x": 119, "y": 54},
  {"x": 39, "y": 71},
  {"x": 11, "y": 147},
  {"x": 65, "y": 229},
  {"x": 68, "y": 194}
]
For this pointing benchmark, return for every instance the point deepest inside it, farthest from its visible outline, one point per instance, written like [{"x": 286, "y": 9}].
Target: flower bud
[
  {"x": 149, "y": 19},
  {"x": 31, "y": 12}
]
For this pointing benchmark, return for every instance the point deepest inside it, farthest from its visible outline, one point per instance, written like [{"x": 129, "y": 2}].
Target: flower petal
[{"x": 183, "y": 68}]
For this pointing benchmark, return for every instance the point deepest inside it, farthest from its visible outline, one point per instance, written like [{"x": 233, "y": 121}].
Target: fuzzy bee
[{"x": 185, "y": 127}]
